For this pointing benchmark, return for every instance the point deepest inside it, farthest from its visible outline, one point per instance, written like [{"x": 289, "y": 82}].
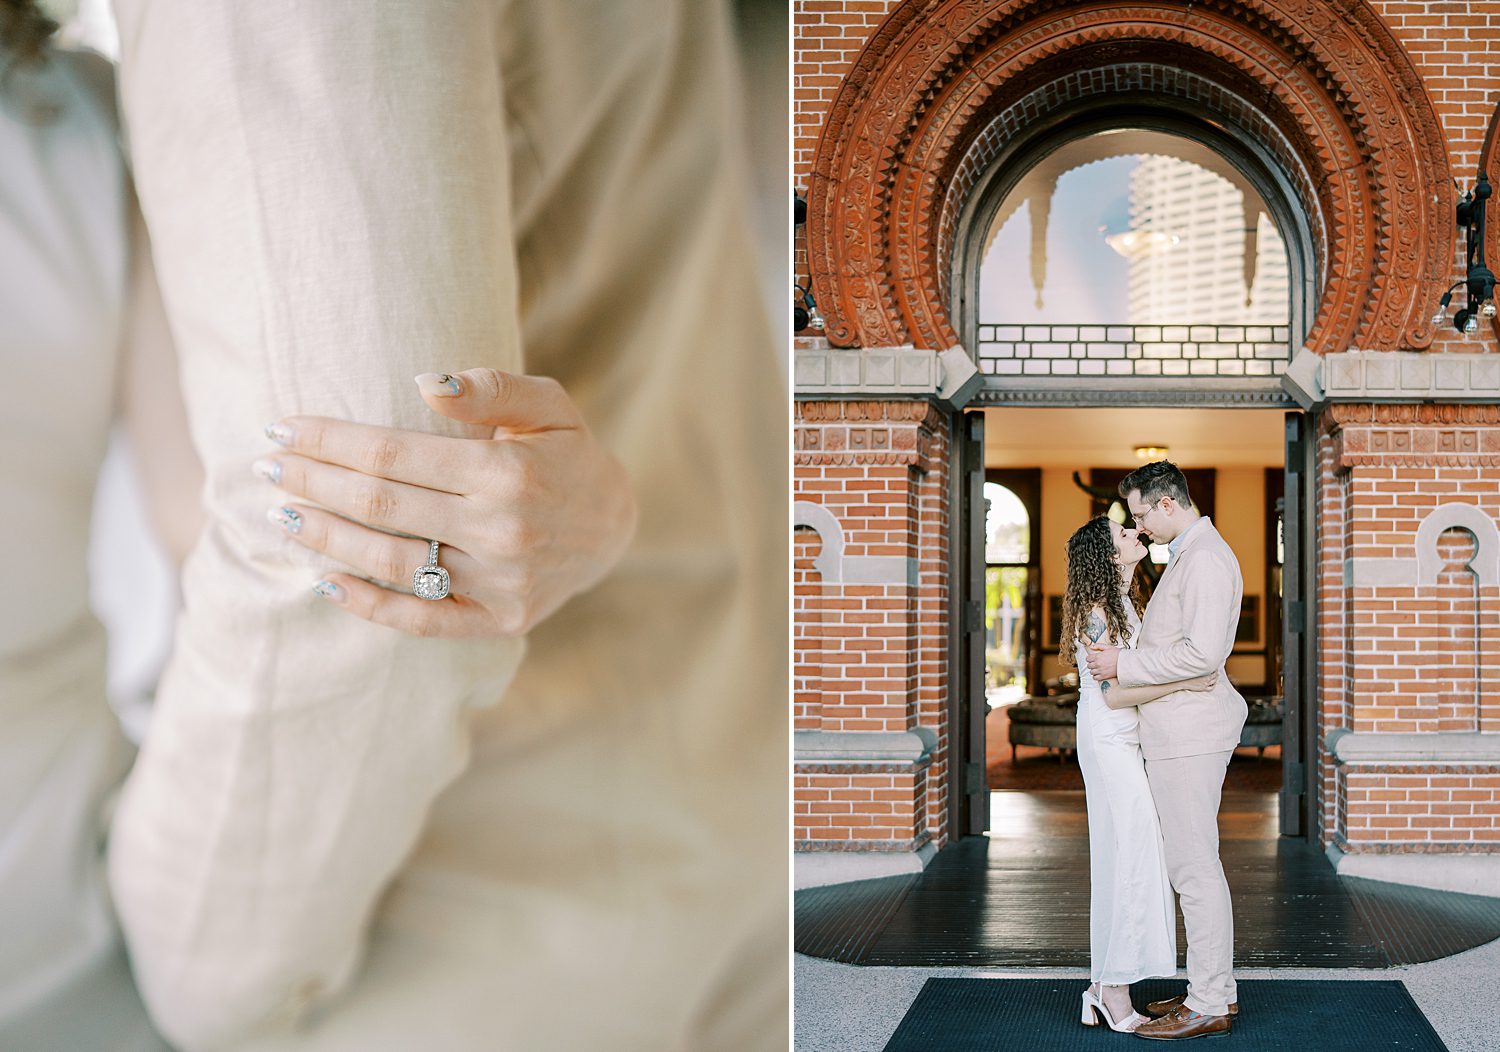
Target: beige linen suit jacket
[
  {"x": 1188, "y": 631},
  {"x": 339, "y": 837}
]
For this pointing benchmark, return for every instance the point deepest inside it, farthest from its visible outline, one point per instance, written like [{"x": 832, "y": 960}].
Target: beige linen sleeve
[
  {"x": 1121, "y": 697},
  {"x": 326, "y": 187},
  {"x": 1210, "y": 606}
]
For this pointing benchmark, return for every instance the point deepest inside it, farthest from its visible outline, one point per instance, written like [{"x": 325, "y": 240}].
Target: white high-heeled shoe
[{"x": 1094, "y": 1010}]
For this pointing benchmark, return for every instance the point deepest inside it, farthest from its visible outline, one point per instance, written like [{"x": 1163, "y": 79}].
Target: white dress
[
  {"x": 63, "y": 982},
  {"x": 1132, "y": 916}
]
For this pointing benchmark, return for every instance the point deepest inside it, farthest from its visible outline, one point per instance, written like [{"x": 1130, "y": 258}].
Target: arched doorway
[
  {"x": 1141, "y": 285},
  {"x": 1097, "y": 254}
]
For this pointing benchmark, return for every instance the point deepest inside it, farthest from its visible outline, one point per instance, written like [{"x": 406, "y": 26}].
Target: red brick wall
[
  {"x": 809, "y": 638},
  {"x": 1412, "y": 809},
  {"x": 1415, "y": 649},
  {"x": 872, "y": 657},
  {"x": 874, "y": 808},
  {"x": 932, "y": 603},
  {"x": 1408, "y": 658},
  {"x": 1453, "y": 44},
  {"x": 826, "y": 37},
  {"x": 1335, "y": 669}
]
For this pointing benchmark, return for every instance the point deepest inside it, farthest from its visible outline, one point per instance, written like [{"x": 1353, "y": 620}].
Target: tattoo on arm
[
  {"x": 1096, "y": 626},
  {"x": 1096, "y": 629}
]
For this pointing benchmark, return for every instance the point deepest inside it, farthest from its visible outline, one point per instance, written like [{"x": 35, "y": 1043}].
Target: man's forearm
[
  {"x": 313, "y": 258},
  {"x": 1153, "y": 666}
]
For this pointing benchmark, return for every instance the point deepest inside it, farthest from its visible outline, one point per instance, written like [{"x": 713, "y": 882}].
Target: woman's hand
[{"x": 527, "y": 518}]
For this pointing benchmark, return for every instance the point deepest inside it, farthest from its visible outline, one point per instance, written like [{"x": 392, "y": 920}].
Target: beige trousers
[{"x": 1187, "y": 791}]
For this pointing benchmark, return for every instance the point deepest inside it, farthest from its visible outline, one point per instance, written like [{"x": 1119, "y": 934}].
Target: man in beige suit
[
  {"x": 340, "y": 837},
  {"x": 1187, "y": 737}
]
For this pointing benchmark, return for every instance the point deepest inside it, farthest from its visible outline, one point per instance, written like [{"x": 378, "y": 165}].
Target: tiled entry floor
[{"x": 1019, "y": 898}]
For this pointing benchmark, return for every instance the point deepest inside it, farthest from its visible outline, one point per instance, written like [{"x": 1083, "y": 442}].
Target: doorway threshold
[{"x": 1019, "y": 898}]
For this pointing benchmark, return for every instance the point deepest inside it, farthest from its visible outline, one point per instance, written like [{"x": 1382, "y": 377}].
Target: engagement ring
[{"x": 431, "y": 580}]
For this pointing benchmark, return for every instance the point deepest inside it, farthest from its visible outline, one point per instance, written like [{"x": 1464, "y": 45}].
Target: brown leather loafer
[
  {"x": 1160, "y": 1008},
  {"x": 1183, "y": 1023}
]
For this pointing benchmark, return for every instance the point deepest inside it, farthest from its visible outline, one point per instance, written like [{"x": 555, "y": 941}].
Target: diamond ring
[{"x": 430, "y": 581}]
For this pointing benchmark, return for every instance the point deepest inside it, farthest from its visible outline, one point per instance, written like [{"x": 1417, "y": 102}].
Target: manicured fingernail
[
  {"x": 268, "y": 469},
  {"x": 285, "y": 518},
  {"x": 281, "y": 434},
  {"x": 443, "y": 385},
  {"x": 330, "y": 591}
]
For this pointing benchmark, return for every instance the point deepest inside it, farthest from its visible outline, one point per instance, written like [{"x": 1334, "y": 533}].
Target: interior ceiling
[{"x": 1099, "y": 438}]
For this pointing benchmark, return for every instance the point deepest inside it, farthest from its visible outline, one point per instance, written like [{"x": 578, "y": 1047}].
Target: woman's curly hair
[
  {"x": 24, "y": 32},
  {"x": 1093, "y": 580}
]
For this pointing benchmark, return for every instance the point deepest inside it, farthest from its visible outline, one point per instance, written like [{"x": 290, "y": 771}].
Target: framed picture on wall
[
  {"x": 1248, "y": 630},
  {"x": 1054, "y": 621}
]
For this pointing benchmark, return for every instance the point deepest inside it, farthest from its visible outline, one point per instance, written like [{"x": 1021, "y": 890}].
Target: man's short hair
[{"x": 1156, "y": 480}]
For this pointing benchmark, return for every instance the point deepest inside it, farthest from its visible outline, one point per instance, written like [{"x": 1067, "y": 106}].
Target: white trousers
[
  {"x": 1187, "y": 791},
  {"x": 1132, "y": 922}
]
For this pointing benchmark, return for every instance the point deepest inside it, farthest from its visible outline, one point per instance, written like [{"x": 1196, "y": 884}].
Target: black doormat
[{"x": 1042, "y": 1015}]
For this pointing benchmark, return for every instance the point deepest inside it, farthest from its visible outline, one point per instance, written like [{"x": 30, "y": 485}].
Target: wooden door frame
[
  {"x": 968, "y": 789},
  {"x": 1299, "y": 652}
]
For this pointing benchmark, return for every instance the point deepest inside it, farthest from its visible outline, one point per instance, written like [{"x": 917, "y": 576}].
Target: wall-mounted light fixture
[
  {"x": 1151, "y": 452},
  {"x": 804, "y": 309},
  {"x": 1479, "y": 280}
]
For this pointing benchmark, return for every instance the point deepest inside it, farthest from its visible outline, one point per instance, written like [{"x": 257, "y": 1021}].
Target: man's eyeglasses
[{"x": 1141, "y": 518}]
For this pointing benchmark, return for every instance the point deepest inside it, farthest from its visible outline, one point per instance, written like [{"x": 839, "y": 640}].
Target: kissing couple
[{"x": 1158, "y": 721}]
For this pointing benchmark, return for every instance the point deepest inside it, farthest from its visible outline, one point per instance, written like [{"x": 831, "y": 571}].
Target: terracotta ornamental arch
[{"x": 1319, "y": 86}]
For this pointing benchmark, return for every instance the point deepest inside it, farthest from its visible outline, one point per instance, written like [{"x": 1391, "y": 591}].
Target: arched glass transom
[{"x": 1133, "y": 252}]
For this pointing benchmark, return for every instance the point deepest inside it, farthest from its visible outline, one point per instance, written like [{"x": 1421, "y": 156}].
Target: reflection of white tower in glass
[{"x": 1190, "y": 257}]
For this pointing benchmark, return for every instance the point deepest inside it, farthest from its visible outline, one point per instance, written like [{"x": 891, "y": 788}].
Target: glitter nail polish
[{"x": 285, "y": 518}]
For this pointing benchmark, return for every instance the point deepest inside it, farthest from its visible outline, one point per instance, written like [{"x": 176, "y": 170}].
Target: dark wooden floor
[{"x": 1020, "y": 898}]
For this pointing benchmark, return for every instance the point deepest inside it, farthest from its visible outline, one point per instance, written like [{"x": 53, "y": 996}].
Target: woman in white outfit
[
  {"x": 1132, "y": 918},
  {"x": 70, "y": 305}
]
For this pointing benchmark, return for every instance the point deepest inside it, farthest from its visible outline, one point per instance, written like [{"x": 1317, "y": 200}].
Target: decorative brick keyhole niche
[{"x": 1323, "y": 92}]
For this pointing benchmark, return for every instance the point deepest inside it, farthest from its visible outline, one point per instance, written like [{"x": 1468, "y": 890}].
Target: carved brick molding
[
  {"x": 844, "y": 433},
  {"x": 1482, "y": 414},
  {"x": 1346, "y": 105},
  {"x": 1414, "y": 434},
  {"x": 1130, "y": 391}
]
